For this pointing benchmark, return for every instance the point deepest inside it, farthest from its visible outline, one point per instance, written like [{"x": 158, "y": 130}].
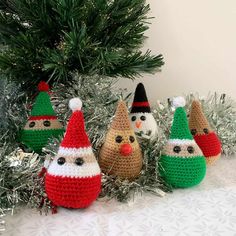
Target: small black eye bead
[
  {"x": 143, "y": 118},
  {"x": 133, "y": 118},
  {"x": 177, "y": 149},
  {"x": 131, "y": 139},
  {"x": 205, "y": 130},
  {"x": 190, "y": 149},
  {"x": 79, "y": 161},
  {"x": 31, "y": 124},
  {"x": 119, "y": 139},
  {"x": 61, "y": 161},
  {"x": 46, "y": 123},
  {"x": 193, "y": 131}
]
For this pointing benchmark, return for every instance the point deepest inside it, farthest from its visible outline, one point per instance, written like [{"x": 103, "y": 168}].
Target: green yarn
[
  {"x": 182, "y": 172},
  {"x": 42, "y": 105},
  {"x": 37, "y": 139},
  {"x": 180, "y": 128}
]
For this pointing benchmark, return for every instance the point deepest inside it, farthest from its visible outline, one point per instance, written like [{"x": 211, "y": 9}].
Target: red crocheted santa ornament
[{"x": 73, "y": 179}]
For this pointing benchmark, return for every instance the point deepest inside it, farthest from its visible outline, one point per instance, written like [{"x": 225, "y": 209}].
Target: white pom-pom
[
  {"x": 75, "y": 104},
  {"x": 179, "y": 102}
]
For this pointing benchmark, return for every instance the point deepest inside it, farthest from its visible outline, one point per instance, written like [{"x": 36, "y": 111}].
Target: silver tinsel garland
[{"x": 19, "y": 181}]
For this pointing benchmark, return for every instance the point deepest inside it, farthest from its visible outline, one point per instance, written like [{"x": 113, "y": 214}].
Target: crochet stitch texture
[
  {"x": 203, "y": 134},
  {"x": 142, "y": 120},
  {"x": 182, "y": 164},
  {"x": 73, "y": 179},
  {"x": 42, "y": 123},
  {"x": 120, "y": 154}
]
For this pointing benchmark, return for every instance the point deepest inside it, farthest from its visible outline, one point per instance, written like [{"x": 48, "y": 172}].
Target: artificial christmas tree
[
  {"x": 182, "y": 164},
  {"x": 203, "y": 134},
  {"x": 120, "y": 154},
  {"x": 48, "y": 40},
  {"x": 42, "y": 123},
  {"x": 141, "y": 117},
  {"x": 73, "y": 179},
  {"x": 77, "y": 46}
]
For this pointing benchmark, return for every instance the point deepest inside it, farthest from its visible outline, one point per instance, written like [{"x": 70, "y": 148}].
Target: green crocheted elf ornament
[
  {"x": 42, "y": 123},
  {"x": 182, "y": 164}
]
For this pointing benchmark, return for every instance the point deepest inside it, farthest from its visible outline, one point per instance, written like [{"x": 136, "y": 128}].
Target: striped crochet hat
[
  {"x": 76, "y": 142},
  {"x": 182, "y": 163},
  {"x": 42, "y": 123},
  {"x": 140, "y": 102},
  {"x": 141, "y": 118},
  {"x": 73, "y": 178}
]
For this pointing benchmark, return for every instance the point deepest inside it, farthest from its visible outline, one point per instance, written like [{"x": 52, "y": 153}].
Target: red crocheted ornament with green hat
[
  {"x": 42, "y": 123},
  {"x": 182, "y": 164}
]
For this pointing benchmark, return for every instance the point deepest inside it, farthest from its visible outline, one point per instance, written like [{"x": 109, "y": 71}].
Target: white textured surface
[
  {"x": 75, "y": 152},
  {"x": 208, "y": 209}
]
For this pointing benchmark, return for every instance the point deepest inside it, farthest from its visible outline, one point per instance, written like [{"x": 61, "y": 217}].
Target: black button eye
[
  {"x": 205, "y": 131},
  {"x": 190, "y": 149},
  {"x": 119, "y": 139},
  {"x": 131, "y": 139},
  {"x": 32, "y": 124},
  {"x": 177, "y": 149},
  {"x": 143, "y": 118},
  {"x": 47, "y": 123},
  {"x": 133, "y": 118},
  {"x": 193, "y": 131},
  {"x": 79, "y": 161},
  {"x": 61, "y": 160}
]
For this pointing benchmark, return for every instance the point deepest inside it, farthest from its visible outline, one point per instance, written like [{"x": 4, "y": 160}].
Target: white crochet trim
[
  {"x": 74, "y": 152},
  {"x": 179, "y": 102},
  {"x": 181, "y": 141},
  {"x": 75, "y": 104},
  {"x": 73, "y": 170}
]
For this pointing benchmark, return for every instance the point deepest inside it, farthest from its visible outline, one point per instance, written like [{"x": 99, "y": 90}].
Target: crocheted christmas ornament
[
  {"x": 120, "y": 154},
  {"x": 73, "y": 179},
  {"x": 182, "y": 164},
  {"x": 42, "y": 123},
  {"x": 141, "y": 117},
  {"x": 204, "y": 136}
]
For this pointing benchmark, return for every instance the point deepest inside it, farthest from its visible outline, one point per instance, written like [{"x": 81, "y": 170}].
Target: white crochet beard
[
  {"x": 148, "y": 125},
  {"x": 72, "y": 170}
]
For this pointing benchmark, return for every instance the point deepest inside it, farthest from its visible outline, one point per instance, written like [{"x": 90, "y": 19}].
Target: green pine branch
[{"x": 51, "y": 39}]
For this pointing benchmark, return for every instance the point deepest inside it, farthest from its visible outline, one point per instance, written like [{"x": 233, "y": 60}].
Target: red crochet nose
[{"x": 126, "y": 149}]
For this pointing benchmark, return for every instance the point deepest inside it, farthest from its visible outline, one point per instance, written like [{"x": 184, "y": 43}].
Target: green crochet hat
[
  {"x": 182, "y": 163},
  {"x": 43, "y": 123},
  {"x": 42, "y": 105},
  {"x": 180, "y": 128}
]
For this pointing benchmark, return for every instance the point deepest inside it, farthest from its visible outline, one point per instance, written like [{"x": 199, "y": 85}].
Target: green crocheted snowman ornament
[
  {"x": 42, "y": 123},
  {"x": 182, "y": 164}
]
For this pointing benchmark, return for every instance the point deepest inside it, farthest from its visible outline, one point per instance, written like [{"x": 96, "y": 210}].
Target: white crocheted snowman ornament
[{"x": 141, "y": 117}]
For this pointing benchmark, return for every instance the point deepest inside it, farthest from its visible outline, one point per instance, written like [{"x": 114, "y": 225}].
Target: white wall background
[{"x": 198, "y": 41}]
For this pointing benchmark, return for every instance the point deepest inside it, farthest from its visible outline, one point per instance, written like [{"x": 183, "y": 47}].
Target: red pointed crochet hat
[{"x": 76, "y": 141}]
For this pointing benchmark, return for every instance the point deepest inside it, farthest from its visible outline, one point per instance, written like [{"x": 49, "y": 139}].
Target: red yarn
[
  {"x": 126, "y": 149},
  {"x": 43, "y": 86},
  {"x": 42, "y": 172},
  {"x": 76, "y": 136},
  {"x": 209, "y": 144},
  {"x": 71, "y": 192},
  {"x": 54, "y": 209},
  {"x": 43, "y": 118}
]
